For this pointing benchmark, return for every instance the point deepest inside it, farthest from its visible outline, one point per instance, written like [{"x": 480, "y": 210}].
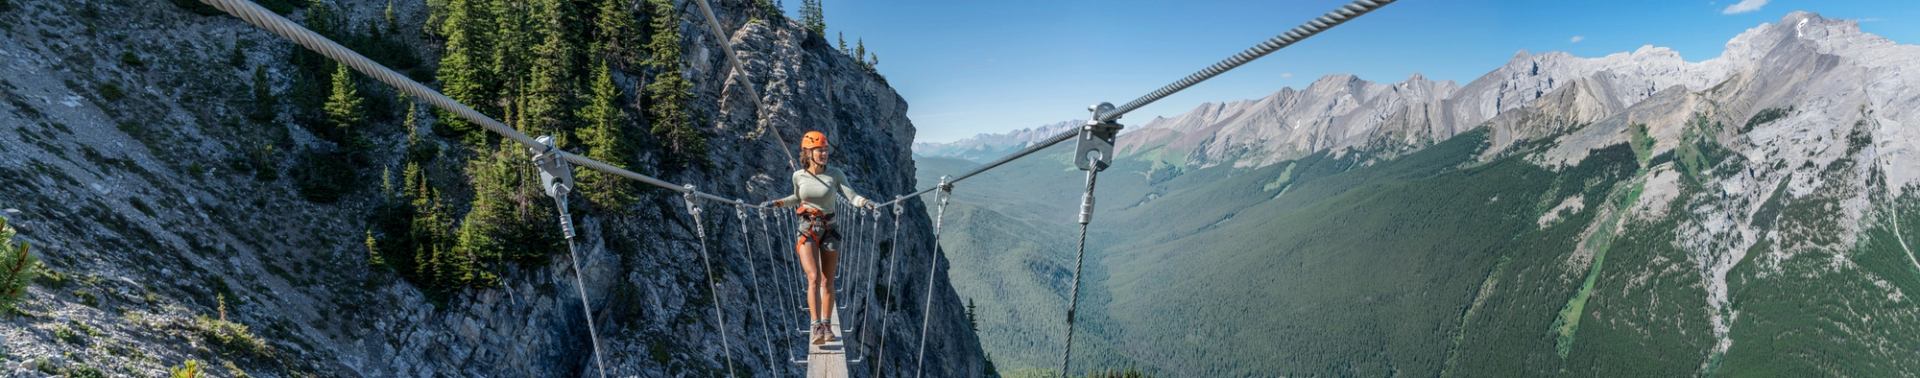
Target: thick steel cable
[
  {"x": 1298, "y": 33},
  {"x": 753, "y": 274},
  {"x": 926, "y": 311},
  {"x": 1079, "y": 259},
  {"x": 1295, "y": 35},
  {"x": 274, "y": 23},
  {"x": 713, "y": 287}
]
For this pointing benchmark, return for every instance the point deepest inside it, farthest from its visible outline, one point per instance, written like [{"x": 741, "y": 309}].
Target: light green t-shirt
[{"x": 818, "y": 193}]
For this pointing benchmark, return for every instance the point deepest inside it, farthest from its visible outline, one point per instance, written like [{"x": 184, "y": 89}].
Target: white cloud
[
  {"x": 1744, "y": 6},
  {"x": 1576, "y": 39},
  {"x": 1286, "y": 75}
]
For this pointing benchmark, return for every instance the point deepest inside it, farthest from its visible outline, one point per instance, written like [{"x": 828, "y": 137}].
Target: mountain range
[{"x": 1633, "y": 213}]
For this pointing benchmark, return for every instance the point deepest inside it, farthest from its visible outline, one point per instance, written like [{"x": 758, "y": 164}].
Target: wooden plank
[{"x": 828, "y": 360}]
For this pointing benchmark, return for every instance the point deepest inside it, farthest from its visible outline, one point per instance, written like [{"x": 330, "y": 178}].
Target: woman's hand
[{"x": 773, "y": 203}]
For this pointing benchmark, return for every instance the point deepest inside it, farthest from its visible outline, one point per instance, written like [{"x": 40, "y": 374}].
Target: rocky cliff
[{"x": 122, "y": 133}]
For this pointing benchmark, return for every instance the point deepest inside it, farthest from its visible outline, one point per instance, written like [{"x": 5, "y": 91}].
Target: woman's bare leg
[
  {"x": 813, "y": 279},
  {"x": 829, "y": 263}
]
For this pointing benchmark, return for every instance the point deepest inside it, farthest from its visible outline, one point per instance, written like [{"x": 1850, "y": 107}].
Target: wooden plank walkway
[{"x": 828, "y": 360}]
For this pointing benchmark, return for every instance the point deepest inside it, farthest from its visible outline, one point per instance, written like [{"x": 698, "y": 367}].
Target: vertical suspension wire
[
  {"x": 713, "y": 287},
  {"x": 926, "y": 311},
  {"x": 849, "y": 263},
  {"x": 798, "y": 272},
  {"x": 893, "y": 289},
  {"x": 753, "y": 274},
  {"x": 1079, "y": 259},
  {"x": 776, "y": 273},
  {"x": 873, "y": 278},
  {"x": 573, "y": 258},
  {"x": 853, "y": 287}
]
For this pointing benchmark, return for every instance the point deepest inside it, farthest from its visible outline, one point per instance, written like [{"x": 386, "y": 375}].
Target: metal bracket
[
  {"x": 556, "y": 179},
  {"x": 693, "y": 205},
  {"x": 1095, "y": 150},
  {"x": 556, "y": 176}
]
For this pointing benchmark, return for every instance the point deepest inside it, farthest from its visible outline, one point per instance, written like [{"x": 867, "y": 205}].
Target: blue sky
[{"x": 974, "y": 66}]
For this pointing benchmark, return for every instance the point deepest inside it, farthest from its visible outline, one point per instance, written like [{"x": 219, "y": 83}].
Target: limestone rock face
[{"x": 132, "y": 198}]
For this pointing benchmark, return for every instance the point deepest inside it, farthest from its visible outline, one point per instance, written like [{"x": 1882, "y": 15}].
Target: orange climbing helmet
[{"x": 813, "y": 139}]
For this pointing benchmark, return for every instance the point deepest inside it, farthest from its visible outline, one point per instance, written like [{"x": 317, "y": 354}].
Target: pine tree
[
  {"x": 973, "y": 323},
  {"x": 873, "y": 59},
  {"x": 485, "y": 233},
  {"x": 813, "y": 17},
  {"x": 426, "y": 233},
  {"x": 513, "y": 39},
  {"x": 321, "y": 19},
  {"x": 237, "y": 58},
  {"x": 436, "y": 19},
  {"x": 605, "y": 141},
  {"x": 263, "y": 109},
  {"x": 418, "y": 151},
  {"x": 308, "y": 92},
  {"x": 615, "y": 34},
  {"x": 345, "y": 108},
  {"x": 392, "y": 23},
  {"x": 550, "y": 93},
  {"x": 843, "y": 42},
  {"x": 669, "y": 93},
  {"x": 860, "y": 50},
  {"x": 770, "y": 9},
  {"x": 18, "y": 267},
  {"x": 373, "y": 251},
  {"x": 464, "y": 74}
]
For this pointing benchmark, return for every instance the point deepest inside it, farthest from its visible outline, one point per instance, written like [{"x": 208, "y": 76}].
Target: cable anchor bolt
[
  {"x": 1095, "y": 150},
  {"x": 556, "y": 178}
]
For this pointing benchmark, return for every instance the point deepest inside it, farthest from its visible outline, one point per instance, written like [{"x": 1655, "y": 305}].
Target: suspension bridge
[{"x": 1093, "y": 154}]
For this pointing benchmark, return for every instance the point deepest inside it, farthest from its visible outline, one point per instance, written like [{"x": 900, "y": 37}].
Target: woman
[{"x": 814, "y": 197}]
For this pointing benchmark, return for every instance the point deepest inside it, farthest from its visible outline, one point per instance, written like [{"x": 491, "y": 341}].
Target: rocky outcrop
[{"x": 130, "y": 196}]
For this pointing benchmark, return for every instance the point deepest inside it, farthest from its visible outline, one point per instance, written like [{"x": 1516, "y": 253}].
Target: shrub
[
  {"x": 18, "y": 267},
  {"x": 190, "y": 369},
  {"x": 1765, "y": 116},
  {"x": 130, "y": 60},
  {"x": 323, "y": 176},
  {"x": 111, "y": 92},
  {"x": 232, "y": 338}
]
